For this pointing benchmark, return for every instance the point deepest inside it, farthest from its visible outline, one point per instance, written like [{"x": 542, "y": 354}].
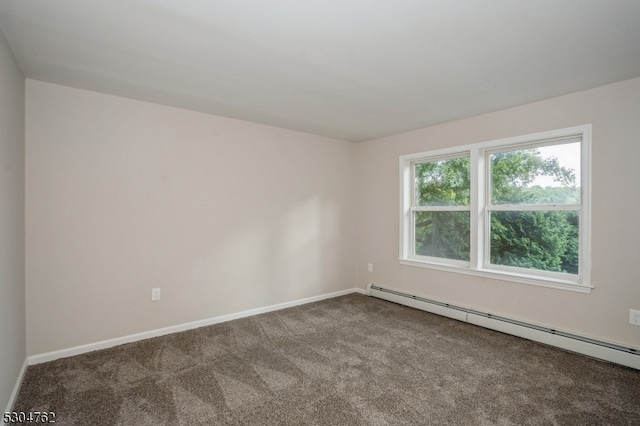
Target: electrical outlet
[
  {"x": 155, "y": 294},
  {"x": 370, "y": 267},
  {"x": 634, "y": 317}
]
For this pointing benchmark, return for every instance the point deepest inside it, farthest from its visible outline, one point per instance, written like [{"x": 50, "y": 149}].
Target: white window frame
[
  {"x": 479, "y": 264},
  {"x": 415, "y": 209}
]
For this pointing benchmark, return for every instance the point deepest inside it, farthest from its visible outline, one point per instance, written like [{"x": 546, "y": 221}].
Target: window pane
[
  {"x": 443, "y": 234},
  {"x": 542, "y": 175},
  {"x": 543, "y": 240},
  {"x": 442, "y": 183}
]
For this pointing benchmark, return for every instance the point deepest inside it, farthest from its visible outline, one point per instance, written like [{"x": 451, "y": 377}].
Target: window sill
[{"x": 502, "y": 275}]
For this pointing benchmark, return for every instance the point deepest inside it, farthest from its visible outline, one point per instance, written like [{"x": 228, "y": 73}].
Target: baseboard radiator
[{"x": 591, "y": 347}]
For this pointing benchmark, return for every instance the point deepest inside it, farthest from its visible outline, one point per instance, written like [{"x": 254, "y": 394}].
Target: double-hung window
[
  {"x": 440, "y": 210},
  {"x": 514, "y": 209}
]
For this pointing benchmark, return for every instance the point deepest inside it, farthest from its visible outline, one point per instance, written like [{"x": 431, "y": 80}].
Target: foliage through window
[
  {"x": 535, "y": 207},
  {"x": 514, "y": 209},
  {"x": 441, "y": 210}
]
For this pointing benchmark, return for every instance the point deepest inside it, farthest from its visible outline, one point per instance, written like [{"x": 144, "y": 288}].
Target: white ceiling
[{"x": 349, "y": 69}]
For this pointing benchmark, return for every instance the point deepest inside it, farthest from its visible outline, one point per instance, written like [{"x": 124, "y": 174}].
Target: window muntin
[{"x": 558, "y": 197}]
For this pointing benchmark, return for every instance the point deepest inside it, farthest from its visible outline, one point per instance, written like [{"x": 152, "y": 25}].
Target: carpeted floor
[{"x": 352, "y": 360}]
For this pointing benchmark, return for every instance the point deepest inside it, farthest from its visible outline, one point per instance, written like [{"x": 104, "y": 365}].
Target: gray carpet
[{"x": 352, "y": 360}]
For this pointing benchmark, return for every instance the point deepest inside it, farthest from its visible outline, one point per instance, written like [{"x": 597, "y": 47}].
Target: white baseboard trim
[
  {"x": 629, "y": 357},
  {"x": 586, "y": 348},
  {"x": 77, "y": 350},
  {"x": 360, "y": 291},
  {"x": 16, "y": 387}
]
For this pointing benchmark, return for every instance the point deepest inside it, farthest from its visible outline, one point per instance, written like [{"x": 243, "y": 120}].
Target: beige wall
[
  {"x": 226, "y": 216},
  {"x": 614, "y": 111},
  {"x": 223, "y": 215},
  {"x": 12, "y": 292}
]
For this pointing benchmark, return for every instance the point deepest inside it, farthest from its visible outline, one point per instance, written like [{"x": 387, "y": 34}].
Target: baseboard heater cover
[{"x": 572, "y": 342}]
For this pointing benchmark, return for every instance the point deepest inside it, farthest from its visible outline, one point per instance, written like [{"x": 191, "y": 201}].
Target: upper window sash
[
  {"x": 414, "y": 165},
  {"x": 553, "y": 190}
]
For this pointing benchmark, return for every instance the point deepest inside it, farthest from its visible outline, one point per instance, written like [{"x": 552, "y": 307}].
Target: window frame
[{"x": 479, "y": 264}]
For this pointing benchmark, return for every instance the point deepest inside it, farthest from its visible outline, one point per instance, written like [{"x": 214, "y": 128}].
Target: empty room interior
[{"x": 323, "y": 212}]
